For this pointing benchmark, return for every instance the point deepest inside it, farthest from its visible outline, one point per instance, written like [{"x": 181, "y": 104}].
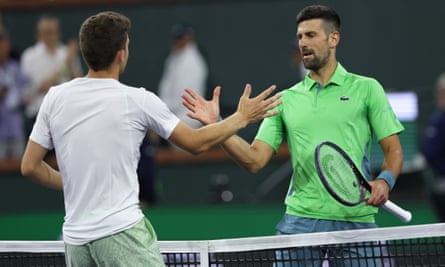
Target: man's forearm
[
  {"x": 393, "y": 160},
  {"x": 241, "y": 152},
  {"x": 213, "y": 134}
]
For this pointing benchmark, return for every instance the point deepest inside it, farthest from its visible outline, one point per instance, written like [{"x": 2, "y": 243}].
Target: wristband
[{"x": 388, "y": 177}]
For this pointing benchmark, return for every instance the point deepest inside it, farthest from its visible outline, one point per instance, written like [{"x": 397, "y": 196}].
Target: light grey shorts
[{"x": 135, "y": 247}]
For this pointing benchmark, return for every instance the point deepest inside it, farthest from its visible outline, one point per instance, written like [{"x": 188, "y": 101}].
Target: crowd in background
[{"x": 26, "y": 76}]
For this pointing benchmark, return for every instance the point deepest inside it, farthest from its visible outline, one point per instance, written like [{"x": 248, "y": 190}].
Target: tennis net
[{"x": 419, "y": 245}]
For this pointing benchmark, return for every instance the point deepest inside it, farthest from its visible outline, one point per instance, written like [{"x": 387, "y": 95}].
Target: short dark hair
[
  {"x": 101, "y": 36},
  {"x": 327, "y": 14}
]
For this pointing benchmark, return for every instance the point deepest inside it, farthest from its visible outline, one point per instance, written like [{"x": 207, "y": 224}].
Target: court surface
[{"x": 192, "y": 222}]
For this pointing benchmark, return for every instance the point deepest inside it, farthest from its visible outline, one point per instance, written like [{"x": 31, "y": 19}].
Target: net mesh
[{"x": 421, "y": 245}]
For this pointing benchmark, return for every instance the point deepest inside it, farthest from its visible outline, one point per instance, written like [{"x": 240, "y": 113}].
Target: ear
[
  {"x": 120, "y": 56},
  {"x": 334, "y": 39}
]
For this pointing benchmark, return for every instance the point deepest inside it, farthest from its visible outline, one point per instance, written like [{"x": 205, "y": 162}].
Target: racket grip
[{"x": 404, "y": 215}]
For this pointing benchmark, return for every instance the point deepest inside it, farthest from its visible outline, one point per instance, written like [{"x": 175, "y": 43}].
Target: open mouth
[{"x": 307, "y": 54}]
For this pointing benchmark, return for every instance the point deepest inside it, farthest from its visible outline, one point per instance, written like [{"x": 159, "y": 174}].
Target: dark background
[{"x": 400, "y": 43}]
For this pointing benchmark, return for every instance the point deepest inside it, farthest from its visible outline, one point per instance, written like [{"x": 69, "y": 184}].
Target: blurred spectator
[
  {"x": 47, "y": 63},
  {"x": 434, "y": 148},
  {"x": 184, "y": 67},
  {"x": 13, "y": 52},
  {"x": 297, "y": 60},
  {"x": 147, "y": 170},
  {"x": 12, "y": 84}
]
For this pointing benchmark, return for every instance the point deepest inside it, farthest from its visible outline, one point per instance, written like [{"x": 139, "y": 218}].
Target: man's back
[{"x": 96, "y": 126}]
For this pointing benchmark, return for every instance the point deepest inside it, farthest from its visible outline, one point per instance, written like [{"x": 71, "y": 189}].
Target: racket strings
[{"x": 340, "y": 176}]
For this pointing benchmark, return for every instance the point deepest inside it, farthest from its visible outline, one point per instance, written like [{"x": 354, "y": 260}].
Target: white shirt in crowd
[
  {"x": 184, "y": 68},
  {"x": 37, "y": 65},
  {"x": 96, "y": 127}
]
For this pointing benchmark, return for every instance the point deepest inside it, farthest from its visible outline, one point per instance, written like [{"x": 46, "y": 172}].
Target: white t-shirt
[
  {"x": 96, "y": 127},
  {"x": 37, "y": 65}
]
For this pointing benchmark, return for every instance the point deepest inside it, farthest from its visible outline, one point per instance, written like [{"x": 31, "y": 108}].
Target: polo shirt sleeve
[
  {"x": 41, "y": 133},
  {"x": 380, "y": 113},
  {"x": 271, "y": 130}
]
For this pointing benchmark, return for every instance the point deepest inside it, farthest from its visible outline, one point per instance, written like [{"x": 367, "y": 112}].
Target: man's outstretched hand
[
  {"x": 205, "y": 111},
  {"x": 252, "y": 109}
]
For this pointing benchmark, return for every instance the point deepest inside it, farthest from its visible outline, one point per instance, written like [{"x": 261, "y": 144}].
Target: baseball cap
[{"x": 181, "y": 30}]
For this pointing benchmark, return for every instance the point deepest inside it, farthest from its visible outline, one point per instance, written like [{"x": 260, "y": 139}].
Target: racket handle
[{"x": 404, "y": 215}]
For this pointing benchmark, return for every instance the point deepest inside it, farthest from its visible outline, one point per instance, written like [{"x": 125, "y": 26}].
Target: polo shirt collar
[{"x": 337, "y": 79}]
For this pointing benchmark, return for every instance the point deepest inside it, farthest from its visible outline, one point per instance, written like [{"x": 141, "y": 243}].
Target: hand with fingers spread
[
  {"x": 202, "y": 110},
  {"x": 257, "y": 108},
  {"x": 252, "y": 109}
]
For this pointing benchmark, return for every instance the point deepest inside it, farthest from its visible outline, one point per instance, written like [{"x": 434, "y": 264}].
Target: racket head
[{"x": 339, "y": 175}]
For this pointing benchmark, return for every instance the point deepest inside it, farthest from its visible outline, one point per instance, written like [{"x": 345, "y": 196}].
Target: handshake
[{"x": 250, "y": 109}]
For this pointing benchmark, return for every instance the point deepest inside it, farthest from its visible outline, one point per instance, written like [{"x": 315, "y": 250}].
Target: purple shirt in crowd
[{"x": 11, "y": 115}]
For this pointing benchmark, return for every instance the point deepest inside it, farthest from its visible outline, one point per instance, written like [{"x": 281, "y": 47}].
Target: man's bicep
[
  {"x": 182, "y": 135},
  {"x": 32, "y": 158},
  {"x": 34, "y": 153}
]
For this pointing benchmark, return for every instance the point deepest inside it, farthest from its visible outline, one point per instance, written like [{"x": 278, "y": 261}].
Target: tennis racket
[{"x": 344, "y": 181}]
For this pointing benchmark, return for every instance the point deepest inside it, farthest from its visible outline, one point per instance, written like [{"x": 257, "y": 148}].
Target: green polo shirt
[{"x": 348, "y": 110}]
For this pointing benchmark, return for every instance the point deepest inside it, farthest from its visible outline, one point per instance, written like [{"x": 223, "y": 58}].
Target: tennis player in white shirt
[{"x": 96, "y": 125}]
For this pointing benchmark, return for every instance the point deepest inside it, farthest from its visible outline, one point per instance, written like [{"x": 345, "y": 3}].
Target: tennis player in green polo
[{"x": 330, "y": 104}]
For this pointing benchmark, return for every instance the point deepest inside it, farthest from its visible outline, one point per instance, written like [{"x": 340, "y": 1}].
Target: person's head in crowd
[
  {"x": 182, "y": 35},
  {"x": 48, "y": 31}
]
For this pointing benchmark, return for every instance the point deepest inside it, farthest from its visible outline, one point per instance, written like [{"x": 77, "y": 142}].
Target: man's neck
[
  {"x": 324, "y": 74},
  {"x": 103, "y": 74}
]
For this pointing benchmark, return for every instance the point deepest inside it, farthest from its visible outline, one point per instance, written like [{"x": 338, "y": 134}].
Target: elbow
[
  {"x": 196, "y": 150},
  {"x": 27, "y": 169},
  {"x": 252, "y": 168}
]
